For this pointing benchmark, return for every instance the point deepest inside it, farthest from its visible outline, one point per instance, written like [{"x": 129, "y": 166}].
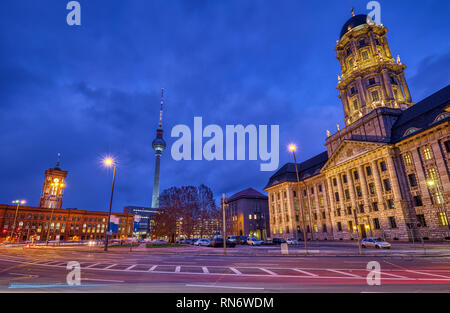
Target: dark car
[
  {"x": 187, "y": 241},
  {"x": 218, "y": 242},
  {"x": 278, "y": 241},
  {"x": 243, "y": 240}
]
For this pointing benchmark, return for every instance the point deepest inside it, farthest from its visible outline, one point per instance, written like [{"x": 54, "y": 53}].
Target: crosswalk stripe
[
  {"x": 205, "y": 270},
  {"x": 423, "y": 273},
  {"x": 177, "y": 269},
  {"x": 268, "y": 271},
  {"x": 304, "y": 272},
  {"x": 92, "y": 265},
  {"x": 130, "y": 267},
  {"x": 152, "y": 268},
  {"x": 344, "y": 273},
  {"x": 109, "y": 266},
  {"x": 235, "y": 271}
]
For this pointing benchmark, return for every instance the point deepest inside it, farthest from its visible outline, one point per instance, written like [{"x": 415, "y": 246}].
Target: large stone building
[
  {"x": 386, "y": 173},
  {"x": 247, "y": 214},
  {"x": 49, "y": 221}
]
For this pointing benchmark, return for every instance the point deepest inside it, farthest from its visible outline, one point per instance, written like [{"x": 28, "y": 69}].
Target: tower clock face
[{"x": 56, "y": 180}]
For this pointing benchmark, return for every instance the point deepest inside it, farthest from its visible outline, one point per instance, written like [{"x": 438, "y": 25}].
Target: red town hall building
[{"x": 49, "y": 221}]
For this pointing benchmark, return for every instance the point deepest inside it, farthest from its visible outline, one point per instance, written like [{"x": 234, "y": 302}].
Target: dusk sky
[{"x": 94, "y": 90}]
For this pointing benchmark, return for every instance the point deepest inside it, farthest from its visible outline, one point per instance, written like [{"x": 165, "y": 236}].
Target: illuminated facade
[
  {"x": 53, "y": 188},
  {"x": 386, "y": 174}
]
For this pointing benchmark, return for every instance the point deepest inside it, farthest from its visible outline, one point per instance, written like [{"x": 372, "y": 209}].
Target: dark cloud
[{"x": 94, "y": 90}]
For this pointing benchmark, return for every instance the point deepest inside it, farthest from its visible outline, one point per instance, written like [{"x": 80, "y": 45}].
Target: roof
[
  {"x": 422, "y": 115},
  {"x": 248, "y": 193},
  {"x": 307, "y": 169},
  {"x": 353, "y": 22}
]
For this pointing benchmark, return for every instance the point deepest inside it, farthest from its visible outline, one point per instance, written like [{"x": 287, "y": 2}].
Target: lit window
[
  {"x": 365, "y": 55},
  {"x": 375, "y": 96},
  {"x": 427, "y": 153},
  {"x": 442, "y": 217},
  {"x": 407, "y": 159},
  {"x": 249, "y": 216}
]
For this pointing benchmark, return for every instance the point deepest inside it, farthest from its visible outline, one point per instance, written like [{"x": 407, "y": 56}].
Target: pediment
[{"x": 351, "y": 149}]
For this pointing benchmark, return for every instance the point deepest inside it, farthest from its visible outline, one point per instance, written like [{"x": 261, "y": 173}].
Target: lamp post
[
  {"x": 293, "y": 148},
  {"x": 18, "y": 202},
  {"x": 224, "y": 226},
  {"x": 109, "y": 162}
]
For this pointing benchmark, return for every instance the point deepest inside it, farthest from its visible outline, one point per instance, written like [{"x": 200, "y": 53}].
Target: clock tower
[{"x": 53, "y": 188}]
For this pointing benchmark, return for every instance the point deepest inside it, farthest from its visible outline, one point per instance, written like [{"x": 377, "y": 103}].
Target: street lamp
[
  {"x": 18, "y": 202},
  {"x": 109, "y": 162},
  {"x": 293, "y": 148}
]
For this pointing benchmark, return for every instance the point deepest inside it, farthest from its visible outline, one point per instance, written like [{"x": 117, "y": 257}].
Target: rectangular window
[
  {"x": 368, "y": 171},
  {"x": 355, "y": 105},
  {"x": 376, "y": 223},
  {"x": 387, "y": 185},
  {"x": 427, "y": 153},
  {"x": 344, "y": 178},
  {"x": 372, "y": 188},
  {"x": 418, "y": 201},
  {"x": 442, "y": 217},
  {"x": 447, "y": 146},
  {"x": 356, "y": 175},
  {"x": 312, "y": 190},
  {"x": 365, "y": 55},
  {"x": 383, "y": 166},
  {"x": 350, "y": 226},
  {"x": 421, "y": 220},
  {"x": 390, "y": 204},
  {"x": 338, "y": 211},
  {"x": 347, "y": 194},
  {"x": 412, "y": 180},
  {"x": 375, "y": 206},
  {"x": 339, "y": 226},
  {"x": 392, "y": 222},
  {"x": 375, "y": 96},
  {"x": 361, "y": 208},
  {"x": 358, "y": 191},
  {"x": 324, "y": 228},
  {"x": 371, "y": 81},
  {"x": 320, "y": 188},
  {"x": 334, "y": 182},
  {"x": 407, "y": 159},
  {"x": 336, "y": 195}
]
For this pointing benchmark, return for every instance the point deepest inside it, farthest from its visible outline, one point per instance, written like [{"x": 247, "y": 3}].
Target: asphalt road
[{"x": 44, "y": 270}]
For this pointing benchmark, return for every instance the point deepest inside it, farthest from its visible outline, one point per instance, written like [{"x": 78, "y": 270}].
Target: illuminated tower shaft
[{"x": 158, "y": 145}]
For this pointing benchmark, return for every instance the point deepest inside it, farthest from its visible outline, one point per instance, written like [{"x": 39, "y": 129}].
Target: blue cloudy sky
[{"x": 94, "y": 90}]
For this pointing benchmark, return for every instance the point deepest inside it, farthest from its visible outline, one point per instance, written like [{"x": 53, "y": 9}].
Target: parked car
[
  {"x": 291, "y": 241},
  {"x": 234, "y": 239},
  {"x": 218, "y": 242},
  {"x": 243, "y": 240},
  {"x": 254, "y": 241},
  {"x": 194, "y": 241},
  {"x": 203, "y": 242},
  {"x": 278, "y": 241},
  {"x": 370, "y": 242},
  {"x": 188, "y": 241}
]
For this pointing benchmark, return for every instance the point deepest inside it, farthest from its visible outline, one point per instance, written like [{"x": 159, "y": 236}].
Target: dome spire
[
  {"x": 57, "y": 166},
  {"x": 161, "y": 111},
  {"x": 353, "y": 12}
]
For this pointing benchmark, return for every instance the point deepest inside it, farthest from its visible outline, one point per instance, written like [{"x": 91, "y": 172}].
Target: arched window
[
  {"x": 441, "y": 116},
  {"x": 410, "y": 131}
]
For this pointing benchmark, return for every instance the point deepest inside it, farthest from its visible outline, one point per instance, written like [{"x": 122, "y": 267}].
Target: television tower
[{"x": 158, "y": 145}]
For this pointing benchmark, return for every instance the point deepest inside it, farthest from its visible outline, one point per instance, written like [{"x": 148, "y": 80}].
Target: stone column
[
  {"x": 378, "y": 185},
  {"x": 365, "y": 192},
  {"x": 309, "y": 212},
  {"x": 394, "y": 179},
  {"x": 387, "y": 84},
  {"x": 351, "y": 188},
  {"x": 341, "y": 192},
  {"x": 361, "y": 92},
  {"x": 421, "y": 179},
  {"x": 405, "y": 87}
]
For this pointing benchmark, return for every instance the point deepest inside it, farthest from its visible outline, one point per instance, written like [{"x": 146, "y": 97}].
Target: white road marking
[
  {"x": 130, "y": 267},
  {"x": 268, "y": 271},
  {"x": 398, "y": 276},
  {"x": 229, "y": 287},
  {"x": 305, "y": 272},
  {"x": 105, "y": 280},
  {"x": 152, "y": 268},
  {"x": 344, "y": 273},
  {"x": 205, "y": 270},
  {"x": 423, "y": 273},
  {"x": 235, "y": 271},
  {"x": 92, "y": 265},
  {"x": 109, "y": 266},
  {"x": 177, "y": 269}
]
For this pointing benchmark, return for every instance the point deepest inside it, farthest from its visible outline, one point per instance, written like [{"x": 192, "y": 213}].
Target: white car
[
  {"x": 202, "y": 242},
  {"x": 291, "y": 241},
  {"x": 370, "y": 242},
  {"x": 254, "y": 241}
]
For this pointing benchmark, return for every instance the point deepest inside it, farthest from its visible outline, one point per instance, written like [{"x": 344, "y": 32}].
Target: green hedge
[{"x": 162, "y": 245}]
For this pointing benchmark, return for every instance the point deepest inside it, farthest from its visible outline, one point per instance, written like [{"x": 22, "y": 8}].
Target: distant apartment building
[
  {"x": 247, "y": 214},
  {"x": 146, "y": 216}
]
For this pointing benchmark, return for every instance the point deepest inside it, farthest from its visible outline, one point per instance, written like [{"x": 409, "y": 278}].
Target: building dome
[{"x": 355, "y": 21}]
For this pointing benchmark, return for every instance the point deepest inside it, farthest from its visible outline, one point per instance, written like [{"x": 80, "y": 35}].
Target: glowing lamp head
[
  {"x": 108, "y": 161},
  {"x": 430, "y": 183},
  {"x": 292, "y": 148}
]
